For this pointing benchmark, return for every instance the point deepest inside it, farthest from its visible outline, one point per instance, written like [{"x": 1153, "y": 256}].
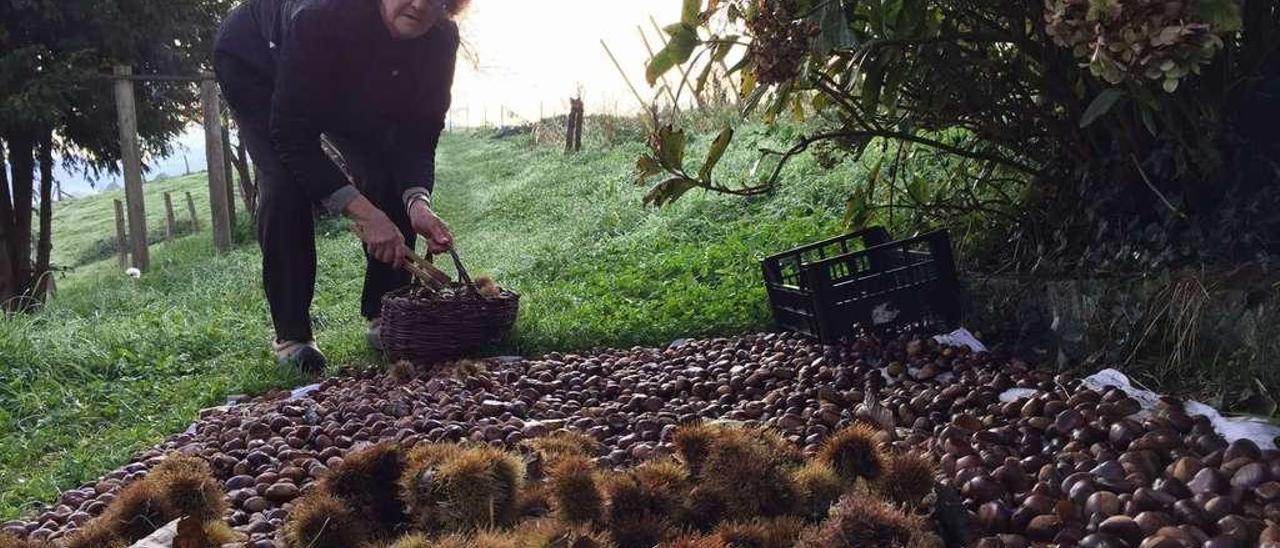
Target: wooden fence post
[
  {"x": 568, "y": 129},
  {"x": 229, "y": 156},
  {"x": 171, "y": 224},
  {"x": 573, "y": 127},
  {"x": 216, "y": 167},
  {"x": 577, "y": 127},
  {"x": 132, "y": 160},
  {"x": 191, "y": 208},
  {"x": 248, "y": 178},
  {"x": 122, "y": 244}
]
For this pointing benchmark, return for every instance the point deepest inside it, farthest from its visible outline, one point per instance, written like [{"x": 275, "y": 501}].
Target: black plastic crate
[{"x": 865, "y": 280}]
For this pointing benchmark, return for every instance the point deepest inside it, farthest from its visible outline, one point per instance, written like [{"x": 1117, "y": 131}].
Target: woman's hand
[
  {"x": 433, "y": 228},
  {"x": 379, "y": 234}
]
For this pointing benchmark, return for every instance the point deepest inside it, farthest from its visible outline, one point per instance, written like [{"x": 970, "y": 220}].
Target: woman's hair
[{"x": 455, "y": 7}]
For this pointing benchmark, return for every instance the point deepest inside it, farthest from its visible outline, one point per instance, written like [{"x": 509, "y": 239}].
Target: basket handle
[
  {"x": 426, "y": 272},
  {"x": 435, "y": 277},
  {"x": 462, "y": 270}
]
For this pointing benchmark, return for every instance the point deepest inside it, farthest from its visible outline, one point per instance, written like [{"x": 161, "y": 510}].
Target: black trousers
[{"x": 286, "y": 217}]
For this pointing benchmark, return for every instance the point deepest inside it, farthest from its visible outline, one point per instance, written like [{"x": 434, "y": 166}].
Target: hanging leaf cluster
[
  {"x": 1143, "y": 41},
  {"x": 669, "y": 146}
]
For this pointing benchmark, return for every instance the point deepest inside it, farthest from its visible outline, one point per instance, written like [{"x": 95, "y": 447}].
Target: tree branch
[
  {"x": 806, "y": 142},
  {"x": 924, "y": 41}
]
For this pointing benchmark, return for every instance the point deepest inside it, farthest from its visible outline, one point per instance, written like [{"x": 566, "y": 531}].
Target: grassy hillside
[
  {"x": 115, "y": 364},
  {"x": 85, "y": 228}
]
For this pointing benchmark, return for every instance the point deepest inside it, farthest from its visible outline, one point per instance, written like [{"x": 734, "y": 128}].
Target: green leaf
[
  {"x": 873, "y": 176},
  {"x": 659, "y": 65},
  {"x": 918, "y": 190},
  {"x": 892, "y": 10},
  {"x": 1100, "y": 106},
  {"x": 671, "y": 144},
  {"x": 821, "y": 101},
  {"x": 833, "y": 27},
  {"x": 689, "y": 13},
  {"x": 1222, "y": 16},
  {"x": 723, "y": 48},
  {"x": 781, "y": 100},
  {"x": 873, "y": 12},
  {"x": 889, "y": 89},
  {"x": 715, "y": 153},
  {"x": 702, "y": 78},
  {"x": 735, "y": 13},
  {"x": 858, "y": 209},
  {"x": 684, "y": 39},
  {"x": 856, "y": 212},
  {"x": 1149, "y": 120},
  {"x": 669, "y": 191},
  {"x": 913, "y": 20},
  {"x": 872, "y": 84},
  {"x": 749, "y": 86},
  {"x": 647, "y": 167},
  {"x": 683, "y": 42}
]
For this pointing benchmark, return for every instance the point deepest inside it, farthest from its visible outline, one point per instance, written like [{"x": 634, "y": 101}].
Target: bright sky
[{"x": 535, "y": 54}]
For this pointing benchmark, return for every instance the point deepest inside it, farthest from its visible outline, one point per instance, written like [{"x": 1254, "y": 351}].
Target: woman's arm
[
  {"x": 417, "y": 137},
  {"x": 304, "y": 97}
]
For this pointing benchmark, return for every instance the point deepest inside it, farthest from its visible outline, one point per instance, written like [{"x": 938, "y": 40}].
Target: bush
[
  {"x": 106, "y": 248},
  {"x": 1117, "y": 136}
]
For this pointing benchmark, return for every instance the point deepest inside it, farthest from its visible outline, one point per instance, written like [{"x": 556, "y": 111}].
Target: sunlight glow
[{"x": 533, "y": 55}]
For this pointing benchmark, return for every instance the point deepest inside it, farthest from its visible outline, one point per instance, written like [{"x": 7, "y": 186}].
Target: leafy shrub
[
  {"x": 106, "y": 248},
  {"x": 1144, "y": 40},
  {"x": 1108, "y": 135}
]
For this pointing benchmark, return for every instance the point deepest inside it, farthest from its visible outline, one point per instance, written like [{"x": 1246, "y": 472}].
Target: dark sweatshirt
[{"x": 336, "y": 69}]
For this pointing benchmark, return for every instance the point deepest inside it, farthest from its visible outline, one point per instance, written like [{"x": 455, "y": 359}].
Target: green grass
[
  {"x": 114, "y": 365},
  {"x": 86, "y": 227}
]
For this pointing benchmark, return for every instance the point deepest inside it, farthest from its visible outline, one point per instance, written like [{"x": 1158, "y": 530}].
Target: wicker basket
[{"x": 427, "y": 322}]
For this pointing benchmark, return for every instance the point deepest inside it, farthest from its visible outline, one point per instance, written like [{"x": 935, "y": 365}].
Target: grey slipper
[
  {"x": 374, "y": 334},
  {"x": 305, "y": 355}
]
